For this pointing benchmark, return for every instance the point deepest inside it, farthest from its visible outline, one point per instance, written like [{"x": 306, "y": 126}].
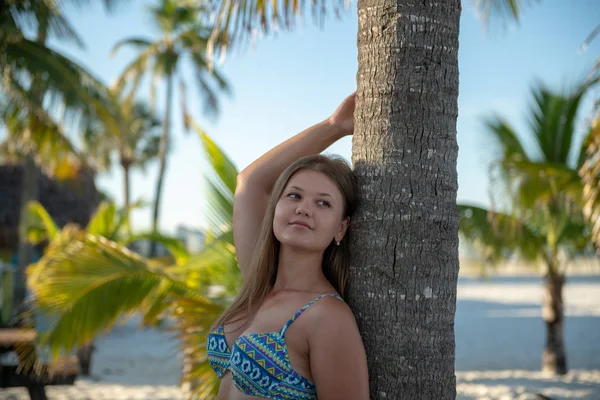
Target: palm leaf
[
  {"x": 193, "y": 319},
  {"x": 103, "y": 221},
  {"x": 501, "y": 9},
  {"x": 40, "y": 225},
  {"x": 174, "y": 246},
  {"x": 505, "y": 141},
  {"x": 68, "y": 87},
  {"x": 221, "y": 182},
  {"x": 496, "y": 235},
  {"x": 31, "y": 15},
  {"x": 36, "y": 133},
  {"x": 590, "y": 175},
  {"x": 552, "y": 123},
  {"x": 215, "y": 267},
  {"x": 538, "y": 183},
  {"x": 86, "y": 283},
  {"x": 234, "y": 22},
  {"x": 136, "y": 69}
]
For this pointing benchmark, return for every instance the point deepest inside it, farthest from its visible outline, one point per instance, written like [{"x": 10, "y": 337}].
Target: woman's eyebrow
[{"x": 301, "y": 190}]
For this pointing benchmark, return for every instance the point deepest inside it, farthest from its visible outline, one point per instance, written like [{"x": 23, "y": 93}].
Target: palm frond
[
  {"x": 215, "y": 267},
  {"x": 102, "y": 223},
  {"x": 174, "y": 246},
  {"x": 506, "y": 142},
  {"x": 69, "y": 89},
  {"x": 502, "y": 10},
  {"x": 496, "y": 235},
  {"x": 135, "y": 70},
  {"x": 36, "y": 133},
  {"x": 221, "y": 182},
  {"x": 136, "y": 42},
  {"x": 210, "y": 83},
  {"x": 235, "y": 22},
  {"x": 193, "y": 319},
  {"x": 552, "y": 123},
  {"x": 85, "y": 283},
  {"x": 589, "y": 39},
  {"x": 590, "y": 175},
  {"x": 42, "y": 15},
  {"x": 40, "y": 225}
]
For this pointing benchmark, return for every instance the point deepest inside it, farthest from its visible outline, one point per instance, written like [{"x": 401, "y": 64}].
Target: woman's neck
[{"x": 299, "y": 271}]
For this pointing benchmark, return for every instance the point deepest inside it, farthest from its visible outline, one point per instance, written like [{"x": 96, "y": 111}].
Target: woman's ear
[{"x": 342, "y": 231}]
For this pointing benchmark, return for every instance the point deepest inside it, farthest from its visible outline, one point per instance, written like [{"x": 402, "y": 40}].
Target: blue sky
[{"x": 292, "y": 80}]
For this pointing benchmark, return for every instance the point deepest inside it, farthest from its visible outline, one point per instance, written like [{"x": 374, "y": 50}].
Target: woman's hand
[{"x": 343, "y": 117}]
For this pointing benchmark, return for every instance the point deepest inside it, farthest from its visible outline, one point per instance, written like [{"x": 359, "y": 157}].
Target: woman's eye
[
  {"x": 294, "y": 195},
  {"x": 325, "y": 203}
]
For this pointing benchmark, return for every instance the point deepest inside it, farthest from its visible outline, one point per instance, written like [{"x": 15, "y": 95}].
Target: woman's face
[{"x": 309, "y": 213}]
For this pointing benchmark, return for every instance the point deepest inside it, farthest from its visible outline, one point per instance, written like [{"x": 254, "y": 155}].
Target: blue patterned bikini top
[{"x": 259, "y": 363}]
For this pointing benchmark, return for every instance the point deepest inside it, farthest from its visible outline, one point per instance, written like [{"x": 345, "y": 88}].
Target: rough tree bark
[
  {"x": 554, "y": 359},
  {"x": 405, "y": 231}
]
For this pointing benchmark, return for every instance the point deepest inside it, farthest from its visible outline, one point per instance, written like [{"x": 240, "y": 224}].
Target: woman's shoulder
[{"x": 333, "y": 310}]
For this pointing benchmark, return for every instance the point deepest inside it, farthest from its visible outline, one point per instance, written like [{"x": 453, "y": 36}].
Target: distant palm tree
[
  {"x": 183, "y": 38},
  {"x": 88, "y": 279},
  {"x": 135, "y": 144},
  {"x": 537, "y": 202}
]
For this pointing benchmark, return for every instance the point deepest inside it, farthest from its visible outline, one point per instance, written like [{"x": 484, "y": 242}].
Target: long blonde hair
[{"x": 262, "y": 269}]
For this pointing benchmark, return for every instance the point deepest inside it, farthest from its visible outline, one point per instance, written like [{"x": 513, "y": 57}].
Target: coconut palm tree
[
  {"x": 135, "y": 144},
  {"x": 425, "y": 359},
  {"x": 537, "y": 202},
  {"x": 91, "y": 272},
  {"x": 183, "y": 37}
]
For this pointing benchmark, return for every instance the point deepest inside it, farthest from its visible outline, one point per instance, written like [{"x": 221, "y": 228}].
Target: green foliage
[
  {"x": 537, "y": 191},
  {"x": 88, "y": 280},
  {"x": 183, "y": 37},
  {"x": 503, "y": 10},
  {"x": 235, "y": 23}
]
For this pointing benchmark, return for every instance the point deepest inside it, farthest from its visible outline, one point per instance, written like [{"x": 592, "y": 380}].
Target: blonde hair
[{"x": 262, "y": 269}]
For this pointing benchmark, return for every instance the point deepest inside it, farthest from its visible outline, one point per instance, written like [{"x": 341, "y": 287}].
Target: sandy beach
[{"x": 499, "y": 342}]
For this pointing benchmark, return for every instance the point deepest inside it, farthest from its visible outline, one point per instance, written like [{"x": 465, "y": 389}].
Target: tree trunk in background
[
  {"x": 127, "y": 192},
  {"x": 554, "y": 358},
  {"x": 163, "y": 151},
  {"x": 405, "y": 231},
  {"x": 29, "y": 192},
  {"x": 84, "y": 356}
]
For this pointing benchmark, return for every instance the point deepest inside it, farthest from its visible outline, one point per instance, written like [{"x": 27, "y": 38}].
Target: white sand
[{"x": 499, "y": 341}]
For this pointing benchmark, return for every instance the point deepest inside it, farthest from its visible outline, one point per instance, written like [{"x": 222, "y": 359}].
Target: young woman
[{"x": 291, "y": 219}]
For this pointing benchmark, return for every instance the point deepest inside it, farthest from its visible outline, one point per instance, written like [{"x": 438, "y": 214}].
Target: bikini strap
[{"x": 300, "y": 311}]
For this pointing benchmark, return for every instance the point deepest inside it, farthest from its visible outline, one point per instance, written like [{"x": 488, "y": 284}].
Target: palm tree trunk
[
  {"x": 405, "y": 232},
  {"x": 29, "y": 188},
  {"x": 29, "y": 192},
  {"x": 84, "y": 356},
  {"x": 554, "y": 358},
  {"x": 127, "y": 194},
  {"x": 162, "y": 155}
]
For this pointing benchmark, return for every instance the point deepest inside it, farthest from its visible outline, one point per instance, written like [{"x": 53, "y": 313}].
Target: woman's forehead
[{"x": 313, "y": 181}]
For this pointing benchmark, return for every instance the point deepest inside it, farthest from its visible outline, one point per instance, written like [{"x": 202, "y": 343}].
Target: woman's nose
[{"x": 301, "y": 210}]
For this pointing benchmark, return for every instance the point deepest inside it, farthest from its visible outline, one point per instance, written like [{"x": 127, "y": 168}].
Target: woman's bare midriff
[
  {"x": 228, "y": 391},
  {"x": 272, "y": 315}
]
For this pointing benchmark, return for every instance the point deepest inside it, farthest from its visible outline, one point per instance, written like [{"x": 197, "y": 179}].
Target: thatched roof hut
[{"x": 66, "y": 201}]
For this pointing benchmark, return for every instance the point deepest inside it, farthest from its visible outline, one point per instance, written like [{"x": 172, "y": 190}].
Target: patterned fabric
[{"x": 259, "y": 363}]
